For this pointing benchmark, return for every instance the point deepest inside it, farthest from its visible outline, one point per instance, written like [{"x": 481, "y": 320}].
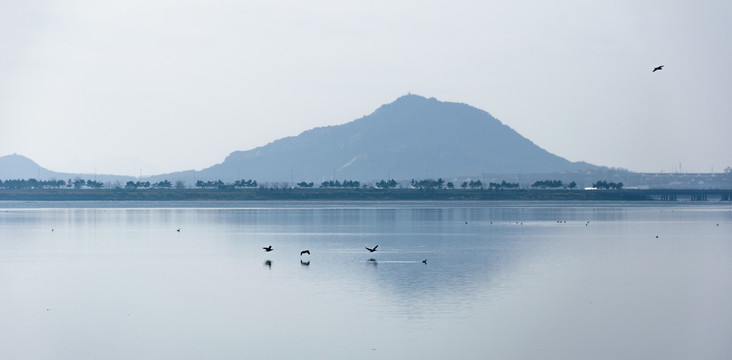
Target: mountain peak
[
  {"x": 413, "y": 98},
  {"x": 15, "y": 159},
  {"x": 16, "y": 166},
  {"x": 409, "y": 100}
]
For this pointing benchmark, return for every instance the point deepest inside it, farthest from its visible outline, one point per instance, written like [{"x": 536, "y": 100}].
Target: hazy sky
[{"x": 181, "y": 84}]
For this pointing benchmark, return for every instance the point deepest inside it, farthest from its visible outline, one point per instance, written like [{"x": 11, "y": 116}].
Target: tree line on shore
[
  {"x": 50, "y": 184},
  {"x": 423, "y": 184},
  {"x": 553, "y": 184}
]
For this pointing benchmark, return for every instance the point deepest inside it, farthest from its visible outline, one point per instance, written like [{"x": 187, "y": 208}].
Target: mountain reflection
[{"x": 513, "y": 271}]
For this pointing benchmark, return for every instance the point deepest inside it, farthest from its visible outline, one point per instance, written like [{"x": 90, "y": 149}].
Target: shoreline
[{"x": 661, "y": 195}]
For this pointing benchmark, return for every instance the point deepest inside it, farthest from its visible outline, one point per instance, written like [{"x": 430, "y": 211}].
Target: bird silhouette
[
  {"x": 660, "y": 67},
  {"x": 424, "y": 261},
  {"x": 372, "y": 250},
  {"x": 305, "y": 252},
  {"x": 305, "y": 263},
  {"x": 178, "y": 230},
  {"x": 268, "y": 248}
]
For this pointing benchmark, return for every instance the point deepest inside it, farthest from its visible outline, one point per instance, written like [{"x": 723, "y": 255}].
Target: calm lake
[{"x": 502, "y": 280}]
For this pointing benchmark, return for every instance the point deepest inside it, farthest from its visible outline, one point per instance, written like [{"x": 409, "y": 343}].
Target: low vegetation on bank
[{"x": 426, "y": 189}]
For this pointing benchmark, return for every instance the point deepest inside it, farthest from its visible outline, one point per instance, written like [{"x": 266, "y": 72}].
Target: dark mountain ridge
[{"x": 413, "y": 137}]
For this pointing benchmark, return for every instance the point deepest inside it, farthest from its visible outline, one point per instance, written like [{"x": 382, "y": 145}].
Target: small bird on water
[
  {"x": 372, "y": 250},
  {"x": 268, "y": 248}
]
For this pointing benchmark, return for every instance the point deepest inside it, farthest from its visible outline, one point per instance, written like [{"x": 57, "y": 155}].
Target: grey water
[{"x": 502, "y": 280}]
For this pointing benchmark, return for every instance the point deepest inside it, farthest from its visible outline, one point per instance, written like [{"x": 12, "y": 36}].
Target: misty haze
[{"x": 365, "y": 180}]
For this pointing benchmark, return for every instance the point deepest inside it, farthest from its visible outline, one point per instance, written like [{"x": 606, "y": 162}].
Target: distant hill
[
  {"x": 20, "y": 167},
  {"x": 413, "y": 137}
]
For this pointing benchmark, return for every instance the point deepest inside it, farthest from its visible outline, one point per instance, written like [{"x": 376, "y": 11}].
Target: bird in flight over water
[
  {"x": 268, "y": 248},
  {"x": 305, "y": 252},
  {"x": 372, "y": 250},
  {"x": 660, "y": 67}
]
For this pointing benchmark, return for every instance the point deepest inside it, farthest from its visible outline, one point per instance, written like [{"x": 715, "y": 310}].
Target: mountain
[
  {"x": 412, "y": 137},
  {"x": 20, "y": 167}
]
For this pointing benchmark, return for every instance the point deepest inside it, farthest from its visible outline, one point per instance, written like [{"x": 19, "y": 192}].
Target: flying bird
[
  {"x": 268, "y": 248},
  {"x": 305, "y": 252},
  {"x": 372, "y": 250},
  {"x": 424, "y": 261},
  {"x": 660, "y": 67}
]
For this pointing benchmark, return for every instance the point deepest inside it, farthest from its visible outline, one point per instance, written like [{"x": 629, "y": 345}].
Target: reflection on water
[{"x": 465, "y": 279}]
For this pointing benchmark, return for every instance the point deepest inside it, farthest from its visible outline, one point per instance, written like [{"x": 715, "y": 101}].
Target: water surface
[{"x": 503, "y": 280}]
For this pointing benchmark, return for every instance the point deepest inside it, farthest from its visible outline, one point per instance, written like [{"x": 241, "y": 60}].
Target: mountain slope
[
  {"x": 413, "y": 137},
  {"x": 20, "y": 167}
]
